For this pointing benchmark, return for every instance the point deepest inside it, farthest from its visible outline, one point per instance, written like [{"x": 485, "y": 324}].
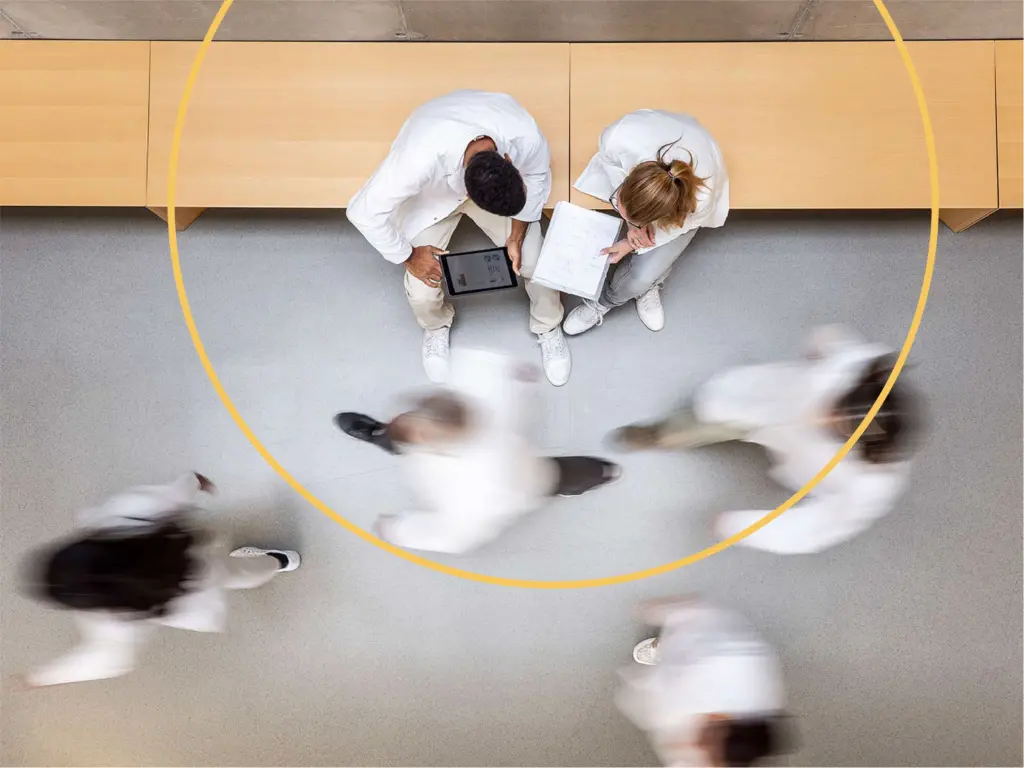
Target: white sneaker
[
  {"x": 584, "y": 317},
  {"x": 652, "y": 313},
  {"x": 555, "y": 354},
  {"x": 435, "y": 354},
  {"x": 646, "y": 652},
  {"x": 294, "y": 561}
]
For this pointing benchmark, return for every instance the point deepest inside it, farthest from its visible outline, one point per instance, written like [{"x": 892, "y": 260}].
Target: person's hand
[
  {"x": 640, "y": 238},
  {"x": 19, "y": 684},
  {"x": 619, "y": 251},
  {"x": 205, "y": 484},
  {"x": 515, "y": 254},
  {"x": 424, "y": 266}
]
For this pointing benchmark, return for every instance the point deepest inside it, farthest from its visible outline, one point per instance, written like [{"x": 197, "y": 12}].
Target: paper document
[{"x": 570, "y": 259}]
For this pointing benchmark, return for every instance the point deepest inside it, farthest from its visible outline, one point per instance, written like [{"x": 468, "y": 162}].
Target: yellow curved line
[{"x": 172, "y": 180}]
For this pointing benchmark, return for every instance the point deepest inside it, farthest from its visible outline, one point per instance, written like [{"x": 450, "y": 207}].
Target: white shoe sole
[
  {"x": 644, "y": 653},
  {"x": 294, "y": 559}
]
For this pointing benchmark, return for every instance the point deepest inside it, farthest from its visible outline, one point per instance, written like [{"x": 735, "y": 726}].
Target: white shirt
[
  {"x": 784, "y": 404},
  {"x": 422, "y": 180},
  {"x": 473, "y": 490},
  {"x": 110, "y": 641},
  {"x": 710, "y": 661},
  {"x": 636, "y": 138}
]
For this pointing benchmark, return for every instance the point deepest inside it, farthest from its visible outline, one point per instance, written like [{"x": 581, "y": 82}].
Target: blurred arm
[
  {"x": 828, "y": 340},
  {"x": 813, "y": 525},
  {"x": 107, "y": 649}
]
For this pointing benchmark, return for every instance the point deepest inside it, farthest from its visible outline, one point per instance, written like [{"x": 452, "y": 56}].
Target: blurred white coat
[
  {"x": 473, "y": 489},
  {"x": 784, "y": 406}
]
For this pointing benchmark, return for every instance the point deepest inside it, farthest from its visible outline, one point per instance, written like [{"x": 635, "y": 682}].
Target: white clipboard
[{"x": 570, "y": 259}]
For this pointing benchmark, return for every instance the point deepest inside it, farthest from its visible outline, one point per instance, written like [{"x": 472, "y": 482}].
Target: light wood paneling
[
  {"x": 304, "y": 124},
  {"x": 1010, "y": 122},
  {"x": 808, "y": 125},
  {"x": 73, "y": 121}
]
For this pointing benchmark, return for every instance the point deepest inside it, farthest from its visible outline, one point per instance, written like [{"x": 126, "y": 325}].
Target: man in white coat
[
  {"x": 470, "y": 460},
  {"x": 802, "y": 412},
  {"x": 707, "y": 691},
  {"x": 474, "y": 154}
]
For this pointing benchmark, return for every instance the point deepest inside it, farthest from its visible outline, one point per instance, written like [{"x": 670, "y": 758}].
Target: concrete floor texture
[{"x": 900, "y": 648}]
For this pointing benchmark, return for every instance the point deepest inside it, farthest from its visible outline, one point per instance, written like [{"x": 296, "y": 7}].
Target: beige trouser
[{"x": 432, "y": 308}]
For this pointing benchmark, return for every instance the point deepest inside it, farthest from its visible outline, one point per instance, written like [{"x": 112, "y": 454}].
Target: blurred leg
[{"x": 250, "y": 572}]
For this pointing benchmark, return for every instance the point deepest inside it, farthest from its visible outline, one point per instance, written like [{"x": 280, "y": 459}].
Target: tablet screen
[{"x": 476, "y": 271}]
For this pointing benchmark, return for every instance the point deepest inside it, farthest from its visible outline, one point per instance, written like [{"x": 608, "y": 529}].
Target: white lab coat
[
  {"x": 710, "y": 661},
  {"x": 636, "y": 138},
  {"x": 110, "y": 641},
  {"x": 473, "y": 490},
  {"x": 783, "y": 404},
  {"x": 422, "y": 180}
]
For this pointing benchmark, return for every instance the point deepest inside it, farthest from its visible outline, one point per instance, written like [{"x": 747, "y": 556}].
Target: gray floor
[{"x": 902, "y": 647}]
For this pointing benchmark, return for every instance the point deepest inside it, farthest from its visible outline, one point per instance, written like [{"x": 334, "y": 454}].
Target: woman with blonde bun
[{"x": 665, "y": 176}]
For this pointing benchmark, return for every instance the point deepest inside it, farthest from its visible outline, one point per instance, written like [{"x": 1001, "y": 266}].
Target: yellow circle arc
[{"x": 172, "y": 180}]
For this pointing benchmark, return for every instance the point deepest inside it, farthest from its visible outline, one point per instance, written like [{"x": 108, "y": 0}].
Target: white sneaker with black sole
[
  {"x": 436, "y": 355},
  {"x": 289, "y": 558},
  {"x": 650, "y": 309}
]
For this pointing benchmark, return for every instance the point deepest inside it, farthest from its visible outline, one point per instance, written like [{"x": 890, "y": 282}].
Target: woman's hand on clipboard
[{"x": 619, "y": 251}]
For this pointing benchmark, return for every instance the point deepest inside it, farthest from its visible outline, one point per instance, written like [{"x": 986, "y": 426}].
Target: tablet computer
[{"x": 477, "y": 271}]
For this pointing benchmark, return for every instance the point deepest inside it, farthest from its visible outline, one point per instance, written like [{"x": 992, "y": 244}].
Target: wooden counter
[
  {"x": 73, "y": 123},
  {"x": 303, "y": 125},
  {"x": 1010, "y": 124},
  {"x": 807, "y": 125}
]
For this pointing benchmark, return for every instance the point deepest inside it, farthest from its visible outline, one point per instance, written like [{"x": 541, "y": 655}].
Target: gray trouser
[
  {"x": 682, "y": 429},
  {"x": 637, "y": 274}
]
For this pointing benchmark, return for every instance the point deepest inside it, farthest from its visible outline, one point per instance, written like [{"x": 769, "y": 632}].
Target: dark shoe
[
  {"x": 579, "y": 474},
  {"x": 367, "y": 429}
]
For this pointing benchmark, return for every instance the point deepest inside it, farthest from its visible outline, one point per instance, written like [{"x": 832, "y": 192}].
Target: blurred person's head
[
  {"x": 733, "y": 741},
  {"x": 437, "y": 419},
  {"x": 136, "y": 571},
  {"x": 485, "y": 396},
  {"x": 492, "y": 182},
  {"x": 891, "y": 435},
  {"x": 660, "y": 192}
]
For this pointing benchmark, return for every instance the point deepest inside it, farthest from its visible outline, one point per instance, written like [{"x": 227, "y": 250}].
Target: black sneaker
[
  {"x": 367, "y": 429},
  {"x": 579, "y": 474}
]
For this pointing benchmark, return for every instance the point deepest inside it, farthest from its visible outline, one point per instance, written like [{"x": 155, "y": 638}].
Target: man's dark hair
[
  {"x": 748, "y": 741},
  {"x": 494, "y": 184}
]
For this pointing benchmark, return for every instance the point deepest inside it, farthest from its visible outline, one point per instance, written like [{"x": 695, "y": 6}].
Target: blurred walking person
[
  {"x": 470, "y": 460},
  {"x": 707, "y": 690},
  {"x": 146, "y": 557},
  {"x": 802, "y": 412}
]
